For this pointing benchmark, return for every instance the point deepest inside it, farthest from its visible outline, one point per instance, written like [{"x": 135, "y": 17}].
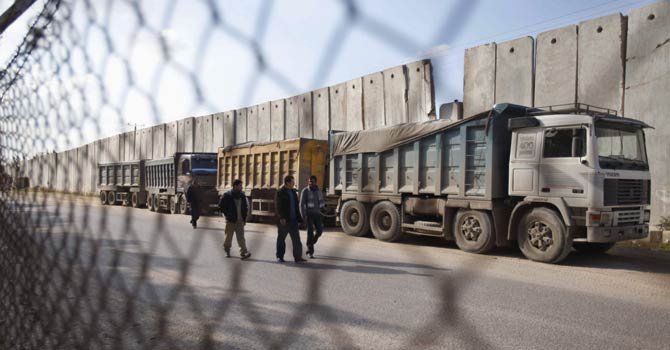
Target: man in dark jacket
[
  {"x": 288, "y": 218},
  {"x": 311, "y": 203},
  {"x": 234, "y": 206},
  {"x": 194, "y": 197}
]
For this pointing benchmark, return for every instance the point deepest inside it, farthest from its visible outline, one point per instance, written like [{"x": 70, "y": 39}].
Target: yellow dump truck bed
[{"x": 263, "y": 166}]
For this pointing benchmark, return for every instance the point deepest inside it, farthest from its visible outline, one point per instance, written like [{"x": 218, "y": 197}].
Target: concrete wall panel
[
  {"x": 189, "y": 134},
  {"x": 114, "y": 148},
  {"x": 646, "y": 97},
  {"x": 306, "y": 115},
  {"x": 277, "y": 120},
  {"x": 373, "y": 100},
  {"x": 252, "y": 123},
  {"x": 180, "y": 135},
  {"x": 208, "y": 134},
  {"x": 479, "y": 74},
  {"x": 355, "y": 104},
  {"x": 338, "y": 106},
  {"x": 229, "y": 128},
  {"x": 148, "y": 143},
  {"x": 514, "y": 71},
  {"x": 556, "y": 67},
  {"x": 264, "y": 122},
  {"x": 137, "y": 145},
  {"x": 217, "y": 131},
  {"x": 292, "y": 105},
  {"x": 321, "y": 118},
  {"x": 241, "y": 125},
  {"x": 171, "y": 132},
  {"x": 420, "y": 93},
  {"x": 395, "y": 96},
  {"x": 199, "y": 134},
  {"x": 158, "y": 150},
  {"x": 600, "y": 77}
]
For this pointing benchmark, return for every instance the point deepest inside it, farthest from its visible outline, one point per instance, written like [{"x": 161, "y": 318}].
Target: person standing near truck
[
  {"x": 288, "y": 219},
  {"x": 194, "y": 197},
  {"x": 311, "y": 203},
  {"x": 234, "y": 206}
]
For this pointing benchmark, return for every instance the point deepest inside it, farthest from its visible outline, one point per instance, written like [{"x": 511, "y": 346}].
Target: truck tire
[
  {"x": 542, "y": 236},
  {"x": 103, "y": 197},
  {"x": 473, "y": 231},
  {"x": 111, "y": 198},
  {"x": 135, "y": 200},
  {"x": 592, "y": 248},
  {"x": 175, "y": 206},
  {"x": 354, "y": 218},
  {"x": 385, "y": 222},
  {"x": 152, "y": 202}
]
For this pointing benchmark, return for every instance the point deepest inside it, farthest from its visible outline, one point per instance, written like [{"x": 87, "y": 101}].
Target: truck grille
[
  {"x": 626, "y": 217},
  {"x": 626, "y": 191}
]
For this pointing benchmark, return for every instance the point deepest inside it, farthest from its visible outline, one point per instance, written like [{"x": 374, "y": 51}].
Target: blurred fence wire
[{"x": 71, "y": 277}]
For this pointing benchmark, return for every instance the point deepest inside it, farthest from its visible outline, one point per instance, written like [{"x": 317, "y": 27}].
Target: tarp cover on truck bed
[{"x": 382, "y": 139}]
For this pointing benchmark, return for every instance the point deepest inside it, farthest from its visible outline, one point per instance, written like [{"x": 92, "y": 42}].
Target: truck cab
[{"x": 589, "y": 165}]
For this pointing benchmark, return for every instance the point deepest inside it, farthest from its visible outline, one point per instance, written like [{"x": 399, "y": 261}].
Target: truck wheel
[
  {"x": 111, "y": 198},
  {"x": 385, "y": 222},
  {"x": 354, "y": 218},
  {"x": 135, "y": 200},
  {"x": 152, "y": 202},
  {"x": 542, "y": 236},
  {"x": 103, "y": 197},
  {"x": 474, "y": 231},
  {"x": 175, "y": 206},
  {"x": 592, "y": 248}
]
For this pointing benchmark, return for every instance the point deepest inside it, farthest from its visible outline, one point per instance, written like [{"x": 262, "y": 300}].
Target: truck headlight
[
  {"x": 605, "y": 219},
  {"x": 647, "y": 216}
]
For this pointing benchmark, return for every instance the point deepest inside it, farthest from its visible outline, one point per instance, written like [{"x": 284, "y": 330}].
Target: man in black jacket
[
  {"x": 234, "y": 206},
  {"x": 194, "y": 197},
  {"x": 288, "y": 219}
]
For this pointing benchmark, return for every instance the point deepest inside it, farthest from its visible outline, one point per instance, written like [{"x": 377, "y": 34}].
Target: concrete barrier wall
[
  {"x": 514, "y": 71},
  {"x": 338, "y": 106},
  {"x": 264, "y": 122},
  {"x": 252, "y": 123},
  {"x": 171, "y": 138},
  {"x": 646, "y": 92},
  {"x": 556, "y": 67},
  {"x": 600, "y": 62},
  {"x": 354, "y": 102},
  {"x": 277, "y": 120},
  {"x": 158, "y": 134},
  {"x": 373, "y": 100},
  {"x": 321, "y": 110},
  {"x": 421, "y": 91},
  {"x": 395, "y": 96},
  {"x": 305, "y": 115},
  {"x": 241, "y": 125},
  {"x": 479, "y": 79},
  {"x": 229, "y": 127}
]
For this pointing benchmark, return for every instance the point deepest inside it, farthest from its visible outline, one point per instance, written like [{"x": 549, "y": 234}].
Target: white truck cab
[{"x": 589, "y": 164}]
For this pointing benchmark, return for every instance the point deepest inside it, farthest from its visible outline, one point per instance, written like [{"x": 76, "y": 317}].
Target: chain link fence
[{"x": 72, "y": 275}]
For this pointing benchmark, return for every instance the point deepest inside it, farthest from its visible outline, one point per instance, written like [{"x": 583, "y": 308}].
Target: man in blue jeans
[
  {"x": 311, "y": 204},
  {"x": 288, "y": 219}
]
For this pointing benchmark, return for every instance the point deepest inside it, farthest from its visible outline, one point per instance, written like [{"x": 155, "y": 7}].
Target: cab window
[{"x": 564, "y": 143}]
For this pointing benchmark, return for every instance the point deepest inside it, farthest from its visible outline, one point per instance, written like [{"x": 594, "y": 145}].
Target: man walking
[
  {"x": 194, "y": 197},
  {"x": 234, "y": 206},
  {"x": 311, "y": 203},
  {"x": 288, "y": 219}
]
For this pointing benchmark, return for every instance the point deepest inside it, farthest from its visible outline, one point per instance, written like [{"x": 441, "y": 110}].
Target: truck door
[
  {"x": 524, "y": 165},
  {"x": 561, "y": 172}
]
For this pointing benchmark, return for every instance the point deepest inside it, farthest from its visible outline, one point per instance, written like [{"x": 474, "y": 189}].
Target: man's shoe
[
  {"x": 227, "y": 253},
  {"x": 281, "y": 260},
  {"x": 195, "y": 226},
  {"x": 298, "y": 260},
  {"x": 245, "y": 256},
  {"x": 311, "y": 255}
]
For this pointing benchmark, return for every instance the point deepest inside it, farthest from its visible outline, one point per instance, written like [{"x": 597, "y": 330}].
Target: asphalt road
[{"x": 153, "y": 281}]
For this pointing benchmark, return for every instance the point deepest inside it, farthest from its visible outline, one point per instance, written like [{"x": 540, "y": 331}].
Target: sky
[{"x": 179, "y": 60}]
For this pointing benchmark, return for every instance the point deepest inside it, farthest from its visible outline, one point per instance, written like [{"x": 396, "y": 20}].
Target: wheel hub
[
  {"x": 385, "y": 221},
  {"x": 471, "y": 228},
  {"x": 540, "y": 236},
  {"x": 354, "y": 218}
]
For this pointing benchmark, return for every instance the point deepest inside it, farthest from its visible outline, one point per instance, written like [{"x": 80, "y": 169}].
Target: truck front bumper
[{"x": 615, "y": 234}]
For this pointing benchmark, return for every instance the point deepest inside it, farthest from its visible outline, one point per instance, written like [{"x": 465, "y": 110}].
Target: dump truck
[
  {"x": 262, "y": 167},
  {"x": 167, "y": 180},
  {"x": 122, "y": 183},
  {"x": 549, "y": 179}
]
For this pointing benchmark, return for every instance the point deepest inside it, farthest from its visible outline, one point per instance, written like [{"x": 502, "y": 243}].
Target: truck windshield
[
  {"x": 203, "y": 165},
  {"x": 621, "y": 147}
]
